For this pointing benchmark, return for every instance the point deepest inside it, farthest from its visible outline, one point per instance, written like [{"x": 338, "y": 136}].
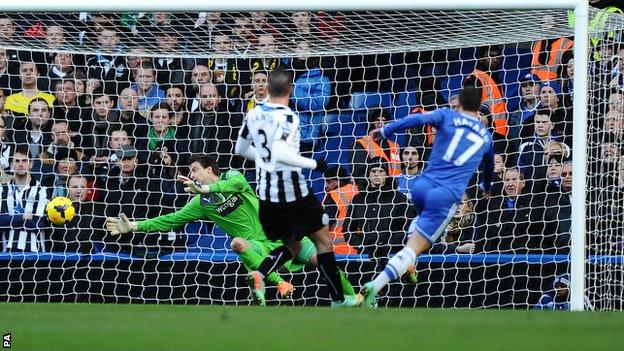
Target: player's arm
[
  {"x": 189, "y": 213},
  {"x": 284, "y": 154},
  {"x": 487, "y": 167},
  {"x": 244, "y": 144},
  {"x": 414, "y": 120}
]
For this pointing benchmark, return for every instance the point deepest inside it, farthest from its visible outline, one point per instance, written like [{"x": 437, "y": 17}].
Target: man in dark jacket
[
  {"x": 85, "y": 232},
  {"x": 379, "y": 215},
  {"x": 509, "y": 226}
]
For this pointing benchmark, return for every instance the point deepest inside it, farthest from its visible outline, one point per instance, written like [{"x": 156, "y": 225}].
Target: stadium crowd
[{"x": 111, "y": 132}]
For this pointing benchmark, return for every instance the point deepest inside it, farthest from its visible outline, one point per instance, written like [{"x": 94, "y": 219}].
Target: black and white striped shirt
[
  {"x": 14, "y": 200},
  {"x": 264, "y": 124}
]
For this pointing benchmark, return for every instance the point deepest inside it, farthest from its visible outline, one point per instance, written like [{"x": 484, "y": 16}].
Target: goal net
[{"x": 108, "y": 108}]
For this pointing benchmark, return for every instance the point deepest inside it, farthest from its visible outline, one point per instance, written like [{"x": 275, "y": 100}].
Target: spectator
[
  {"x": 102, "y": 117},
  {"x": 302, "y": 25},
  {"x": 460, "y": 234},
  {"x": 148, "y": 90},
  {"x": 616, "y": 102},
  {"x": 529, "y": 104},
  {"x": 55, "y": 37},
  {"x": 567, "y": 84},
  {"x": 613, "y": 123},
  {"x": 200, "y": 75},
  {"x": 550, "y": 95},
  {"x": 66, "y": 104},
  {"x": 243, "y": 37},
  {"x": 18, "y": 103},
  {"x": 65, "y": 166},
  {"x": 486, "y": 76},
  {"x": 214, "y": 130},
  {"x": 310, "y": 97},
  {"x": 137, "y": 58},
  {"x": 24, "y": 195},
  {"x": 501, "y": 144},
  {"x": 6, "y": 150},
  {"x": 125, "y": 191},
  {"x": 608, "y": 216},
  {"x": 411, "y": 170},
  {"x": 61, "y": 67},
  {"x": 106, "y": 158},
  {"x": 558, "y": 297},
  {"x": 509, "y": 225},
  {"x": 531, "y": 152},
  {"x": 36, "y": 134},
  {"x": 61, "y": 139},
  {"x": 9, "y": 82},
  {"x": 339, "y": 193},
  {"x": 170, "y": 69},
  {"x": 131, "y": 120},
  {"x": 228, "y": 73},
  {"x": 174, "y": 97},
  {"x": 366, "y": 148},
  {"x": 267, "y": 47},
  {"x": 378, "y": 216},
  {"x": 260, "y": 25},
  {"x": 259, "y": 90},
  {"x": 166, "y": 143},
  {"x": 109, "y": 67},
  {"x": 551, "y": 54},
  {"x": 7, "y": 29},
  {"x": 84, "y": 233},
  {"x": 211, "y": 24},
  {"x": 558, "y": 209}
]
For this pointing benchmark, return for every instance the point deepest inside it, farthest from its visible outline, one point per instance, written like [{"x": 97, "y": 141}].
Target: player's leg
[
  {"x": 327, "y": 264},
  {"x": 252, "y": 253},
  {"x": 308, "y": 256},
  {"x": 426, "y": 229}
]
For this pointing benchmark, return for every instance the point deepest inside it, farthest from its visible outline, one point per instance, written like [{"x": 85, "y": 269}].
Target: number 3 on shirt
[
  {"x": 266, "y": 153},
  {"x": 476, "y": 140}
]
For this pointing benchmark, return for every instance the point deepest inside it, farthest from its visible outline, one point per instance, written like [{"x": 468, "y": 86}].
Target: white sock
[{"x": 396, "y": 267}]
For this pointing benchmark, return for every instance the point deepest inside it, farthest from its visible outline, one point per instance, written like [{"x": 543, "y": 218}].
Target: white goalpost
[{"x": 392, "y": 56}]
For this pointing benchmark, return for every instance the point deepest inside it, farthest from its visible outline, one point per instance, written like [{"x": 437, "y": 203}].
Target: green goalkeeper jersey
[{"x": 231, "y": 204}]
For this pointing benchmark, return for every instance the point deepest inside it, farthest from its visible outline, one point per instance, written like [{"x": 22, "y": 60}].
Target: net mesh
[{"x": 102, "y": 74}]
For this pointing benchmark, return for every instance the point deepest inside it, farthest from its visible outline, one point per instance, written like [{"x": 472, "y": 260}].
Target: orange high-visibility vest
[
  {"x": 374, "y": 150},
  {"x": 493, "y": 97},
  {"x": 548, "y": 70},
  {"x": 342, "y": 196}
]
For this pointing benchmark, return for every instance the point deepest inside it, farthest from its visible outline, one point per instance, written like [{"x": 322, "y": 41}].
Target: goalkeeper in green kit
[{"x": 229, "y": 201}]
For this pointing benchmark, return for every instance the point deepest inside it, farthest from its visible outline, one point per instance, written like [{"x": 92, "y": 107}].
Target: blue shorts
[{"x": 435, "y": 207}]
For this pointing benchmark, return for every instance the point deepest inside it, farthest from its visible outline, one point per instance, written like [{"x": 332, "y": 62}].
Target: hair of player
[
  {"x": 470, "y": 98},
  {"x": 280, "y": 83},
  {"x": 206, "y": 161}
]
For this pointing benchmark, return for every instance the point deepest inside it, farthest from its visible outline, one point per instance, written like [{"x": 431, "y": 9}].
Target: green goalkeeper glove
[
  {"x": 192, "y": 186},
  {"x": 121, "y": 225}
]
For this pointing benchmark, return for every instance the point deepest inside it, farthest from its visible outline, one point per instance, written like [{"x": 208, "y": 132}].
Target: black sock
[
  {"x": 329, "y": 271},
  {"x": 274, "y": 260}
]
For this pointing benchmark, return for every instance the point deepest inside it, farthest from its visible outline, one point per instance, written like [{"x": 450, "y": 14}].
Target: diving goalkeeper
[{"x": 230, "y": 202}]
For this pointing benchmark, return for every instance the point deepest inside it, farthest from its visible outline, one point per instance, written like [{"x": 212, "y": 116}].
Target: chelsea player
[{"x": 462, "y": 144}]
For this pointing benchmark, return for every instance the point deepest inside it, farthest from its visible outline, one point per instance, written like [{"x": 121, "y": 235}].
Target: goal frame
[{"x": 581, "y": 13}]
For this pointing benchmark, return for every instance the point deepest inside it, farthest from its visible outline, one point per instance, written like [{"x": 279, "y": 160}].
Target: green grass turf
[{"x": 150, "y": 327}]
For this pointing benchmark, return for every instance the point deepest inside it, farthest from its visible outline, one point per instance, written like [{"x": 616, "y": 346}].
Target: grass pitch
[{"x": 150, "y": 327}]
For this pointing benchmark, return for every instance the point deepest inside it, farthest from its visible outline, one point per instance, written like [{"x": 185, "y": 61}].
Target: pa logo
[{"x": 6, "y": 341}]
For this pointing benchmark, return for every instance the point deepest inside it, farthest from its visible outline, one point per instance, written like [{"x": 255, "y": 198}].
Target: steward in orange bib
[
  {"x": 549, "y": 56},
  {"x": 340, "y": 190},
  {"x": 485, "y": 76},
  {"x": 366, "y": 149}
]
